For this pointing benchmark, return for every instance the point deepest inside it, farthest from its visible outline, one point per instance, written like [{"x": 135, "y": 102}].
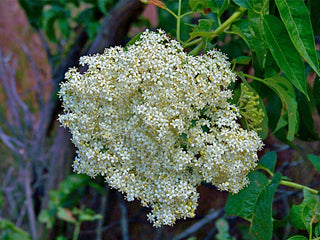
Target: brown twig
[
  {"x": 29, "y": 203},
  {"x": 213, "y": 214},
  {"x": 124, "y": 217}
]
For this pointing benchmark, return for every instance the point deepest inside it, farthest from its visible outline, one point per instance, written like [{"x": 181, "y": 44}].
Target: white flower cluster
[{"x": 156, "y": 122}]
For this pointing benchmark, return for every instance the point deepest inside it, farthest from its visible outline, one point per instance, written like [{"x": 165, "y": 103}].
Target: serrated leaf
[
  {"x": 261, "y": 225},
  {"x": 243, "y": 203},
  {"x": 284, "y": 52},
  {"x": 308, "y": 211},
  {"x": 296, "y": 18},
  {"x": 295, "y": 217},
  {"x": 269, "y": 160},
  {"x": 202, "y": 5},
  {"x": 315, "y": 161},
  {"x": 245, "y": 29},
  {"x": 285, "y": 91}
]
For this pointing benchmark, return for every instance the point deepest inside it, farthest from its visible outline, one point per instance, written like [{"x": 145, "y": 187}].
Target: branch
[
  {"x": 103, "y": 207},
  {"x": 115, "y": 26},
  {"x": 113, "y": 30},
  {"x": 124, "y": 218},
  {"x": 37, "y": 75},
  {"x": 29, "y": 203},
  {"x": 198, "y": 225}
]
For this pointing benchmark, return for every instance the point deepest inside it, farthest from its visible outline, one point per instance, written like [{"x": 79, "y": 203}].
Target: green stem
[
  {"x": 298, "y": 186},
  {"x": 229, "y": 21},
  {"x": 197, "y": 49},
  {"x": 76, "y": 230},
  {"x": 178, "y": 22},
  {"x": 186, "y": 14},
  {"x": 172, "y": 13},
  {"x": 288, "y": 183},
  {"x": 194, "y": 42},
  {"x": 253, "y": 77},
  {"x": 218, "y": 30}
]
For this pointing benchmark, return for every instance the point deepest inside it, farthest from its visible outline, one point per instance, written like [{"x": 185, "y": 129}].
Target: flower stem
[
  {"x": 197, "y": 49},
  {"x": 189, "y": 44},
  {"x": 217, "y": 31},
  {"x": 229, "y": 21},
  {"x": 179, "y": 22},
  {"x": 288, "y": 183},
  {"x": 298, "y": 186},
  {"x": 76, "y": 230},
  {"x": 172, "y": 13}
]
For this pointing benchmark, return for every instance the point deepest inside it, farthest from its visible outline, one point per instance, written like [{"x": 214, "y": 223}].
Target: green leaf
[
  {"x": 64, "y": 27},
  {"x": 243, "y": 203},
  {"x": 248, "y": 4},
  {"x": 202, "y": 5},
  {"x": 295, "y": 217},
  {"x": 61, "y": 238},
  {"x": 296, "y": 18},
  {"x": 243, "y": 60},
  {"x": 286, "y": 93},
  {"x": 203, "y": 29},
  {"x": 308, "y": 211},
  {"x": 223, "y": 7},
  {"x": 269, "y": 160},
  {"x": 133, "y": 40},
  {"x": 102, "y": 6},
  {"x": 46, "y": 218},
  {"x": 261, "y": 225},
  {"x": 34, "y": 11},
  {"x": 248, "y": 30},
  {"x": 298, "y": 237},
  {"x": 251, "y": 4},
  {"x": 222, "y": 226},
  {"x": 271, "y": 67},
  {"x": 65, "y": 215},
  {"x": 315, "y": 161},
  {"x": 89, "y": 215},
  {"x": 51, "y": 16},
  {"x": 284, "y": 52},
  {"x": 11, "y": 232}
]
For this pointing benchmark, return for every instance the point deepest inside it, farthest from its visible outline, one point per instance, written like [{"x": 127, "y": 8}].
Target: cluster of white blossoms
[{"x": 156, "y": 122}]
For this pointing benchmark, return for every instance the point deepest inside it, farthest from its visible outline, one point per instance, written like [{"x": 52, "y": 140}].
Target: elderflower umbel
[{"x": 155, "y": 122}]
